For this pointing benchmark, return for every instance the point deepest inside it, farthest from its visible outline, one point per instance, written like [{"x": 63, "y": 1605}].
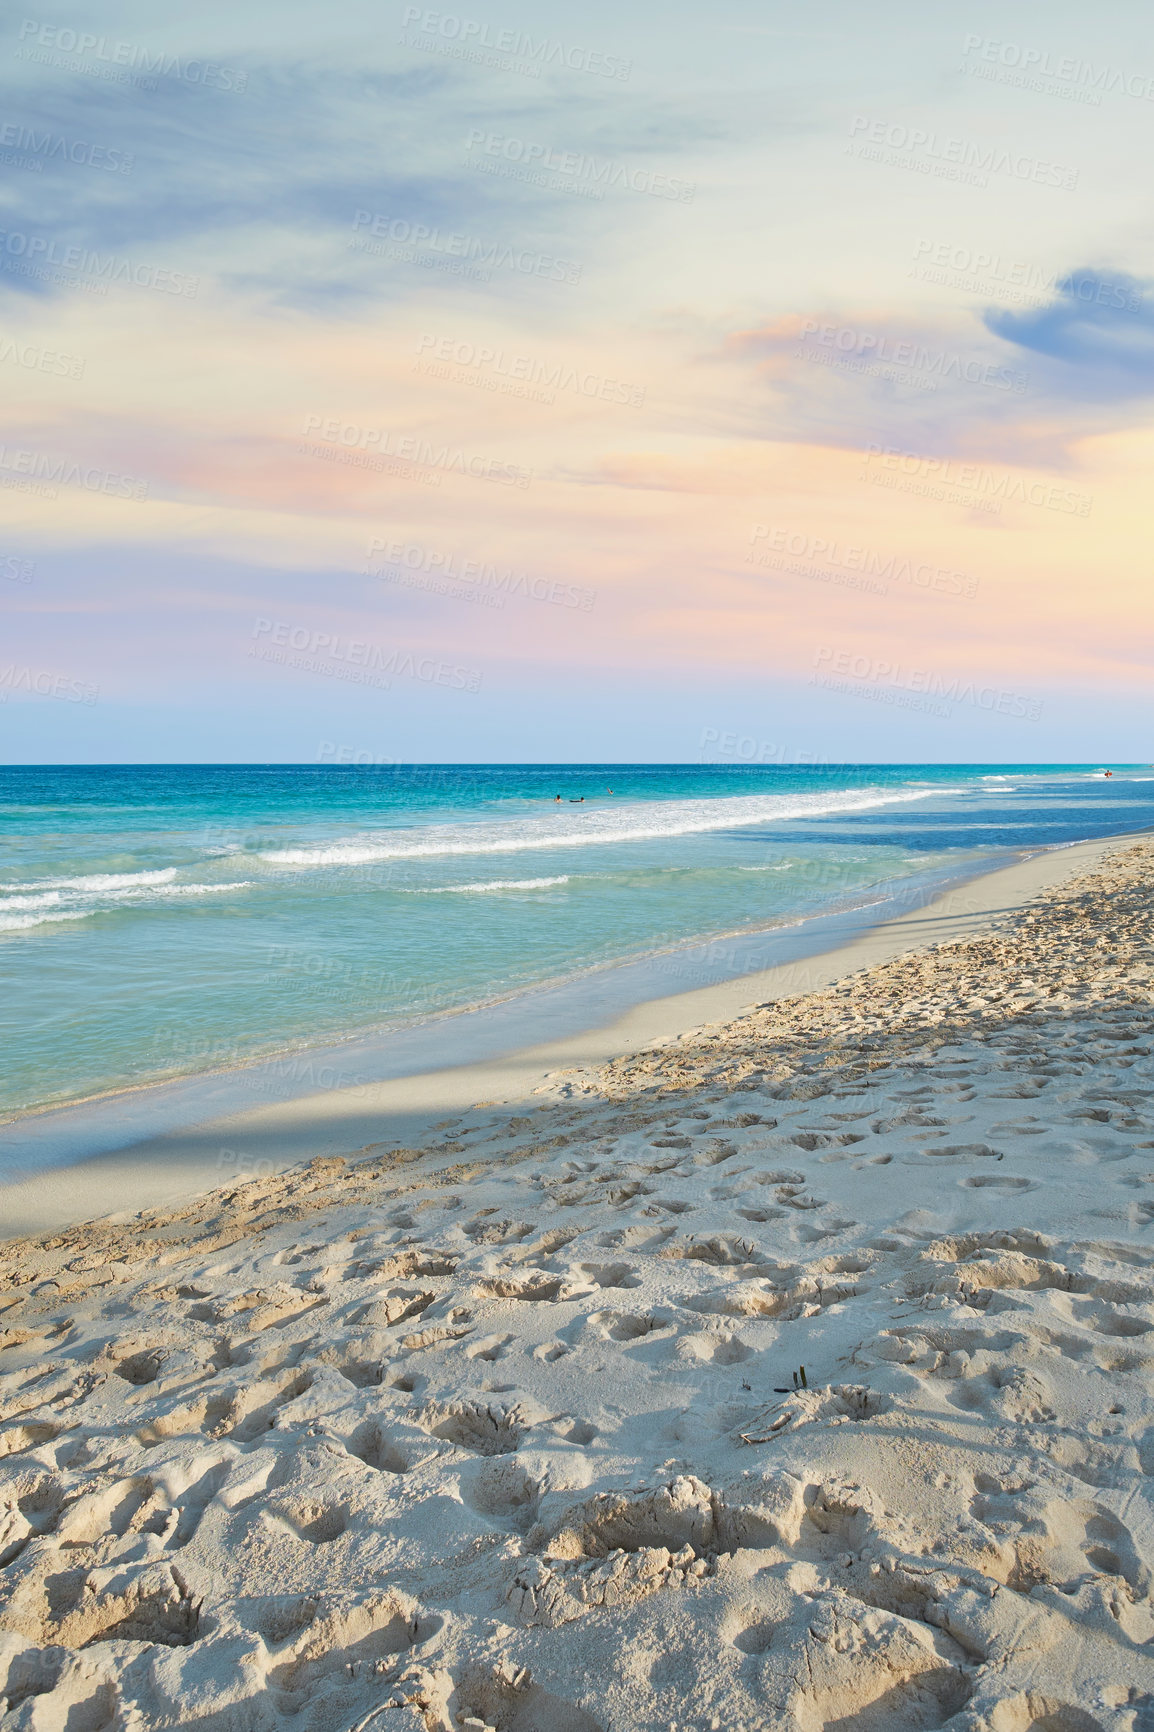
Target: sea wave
[
  {"x": 50, "y": 899},
  {"x": 96, "y": 883},
  {"x": 598, "y": 825},
  {"x": 185, "y": 890},
  {"x": 17, "y": 913},
  {"x": 21, "y": 922},
  {"x": 492, "y": 884}
]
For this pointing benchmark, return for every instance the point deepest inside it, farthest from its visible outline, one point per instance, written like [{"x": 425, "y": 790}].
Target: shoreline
[
  {"x": 675, "y": 959},
  {"x": 200, "y": 1154}
]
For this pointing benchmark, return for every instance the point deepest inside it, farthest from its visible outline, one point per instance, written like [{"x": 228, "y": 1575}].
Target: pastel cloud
[{"x": 699, "y": 395}]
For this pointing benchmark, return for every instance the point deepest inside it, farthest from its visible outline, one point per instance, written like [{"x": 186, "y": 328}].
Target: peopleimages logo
[
  {"x": 889, "y": 682},
  {"x": 379, "y": 442},
  {"x": 458, "y": 251},
  {"x": 934, "y": 474},
  {"x": 510, "y": 372},
  {"x": 785, "y": 545},
  {"x": 353, "y": 659},
  {"x": 49, "y": 146},
  {"x": 849, "y": 343},
  {"x": 1031, "y": 65},
  {"x": 45, "y": 685},
  {"x": 38, "y": 360},
  {"x": 447, "y": 567},
  {"x": 55, "y": 40},
  {"x": 589, "y": 175},
  {"x": 34, "y": 255},
  {"x": 744, "y": 746},
  {"x": 913, "y": 147},
  {"x": 996, "y": 275},
  {"x": 38, "y": 466},
  {"x": 512, "y": 50}
]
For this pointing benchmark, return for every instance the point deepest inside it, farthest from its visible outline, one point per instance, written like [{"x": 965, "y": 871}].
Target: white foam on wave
[
  {"x": 17, "y": 913},
  {"x": 184, "y": 890},
  {"x": 97, "y": 883},
  {"x": 21, "y": 922},
  {"x": 600, "y": 825},
  {"x": 493, "y": 884}
]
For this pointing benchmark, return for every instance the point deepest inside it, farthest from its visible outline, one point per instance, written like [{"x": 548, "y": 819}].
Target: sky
[{"x": 766, "y": 384}]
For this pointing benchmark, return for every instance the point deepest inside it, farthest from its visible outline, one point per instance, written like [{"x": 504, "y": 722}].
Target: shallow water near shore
[{"x": 157, "y": 922}]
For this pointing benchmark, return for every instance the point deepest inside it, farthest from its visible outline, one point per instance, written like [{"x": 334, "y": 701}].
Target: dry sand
[{"x": 500, "y": 1429}]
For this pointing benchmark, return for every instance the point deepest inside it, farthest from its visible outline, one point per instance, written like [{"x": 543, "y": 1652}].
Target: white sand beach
[{"x": 778, "y": 1368}]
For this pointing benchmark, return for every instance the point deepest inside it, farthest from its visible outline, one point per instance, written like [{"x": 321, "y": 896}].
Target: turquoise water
[{"x": 161, "y": 921}]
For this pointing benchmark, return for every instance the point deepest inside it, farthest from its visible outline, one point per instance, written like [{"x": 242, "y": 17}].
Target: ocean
[{"x": 158, "y": 922}]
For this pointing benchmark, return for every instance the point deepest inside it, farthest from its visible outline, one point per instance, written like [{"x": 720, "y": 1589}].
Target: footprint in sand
[
  {"x": 490, "y": 1347},
  {"x": 534, "y": 1287},
  {"x": 634, "y": 1238},
  {"x": 575, "y": 1431},
  {"x": 1048, "y": 1540},
  {"x": 257, "y": 1407},
  {"x": 754, "y": 1636},
  {"x": 333, "y": 1647},
  {"x": 505, "y": 1698},
  {"x": 997, "y": 1182},
  {"x": 156, "y": 1607},
  {"x": 502, "y": 1487},
  {"x": 632, "y": 1325},
  {"x": 141, "y": 1367},
  {"x": 1009, "y": 1392},
  {"x": 372, "y": 1444},
  {"x": 472, "y": 1425},
  {"x": 317, "y": 1523},
  {"x": 708, "y": 1348},
  {"x": 14, "y": 1439},
  {"x": 611, "y": 1274},
  {"x": 190, "y": 1506}
]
